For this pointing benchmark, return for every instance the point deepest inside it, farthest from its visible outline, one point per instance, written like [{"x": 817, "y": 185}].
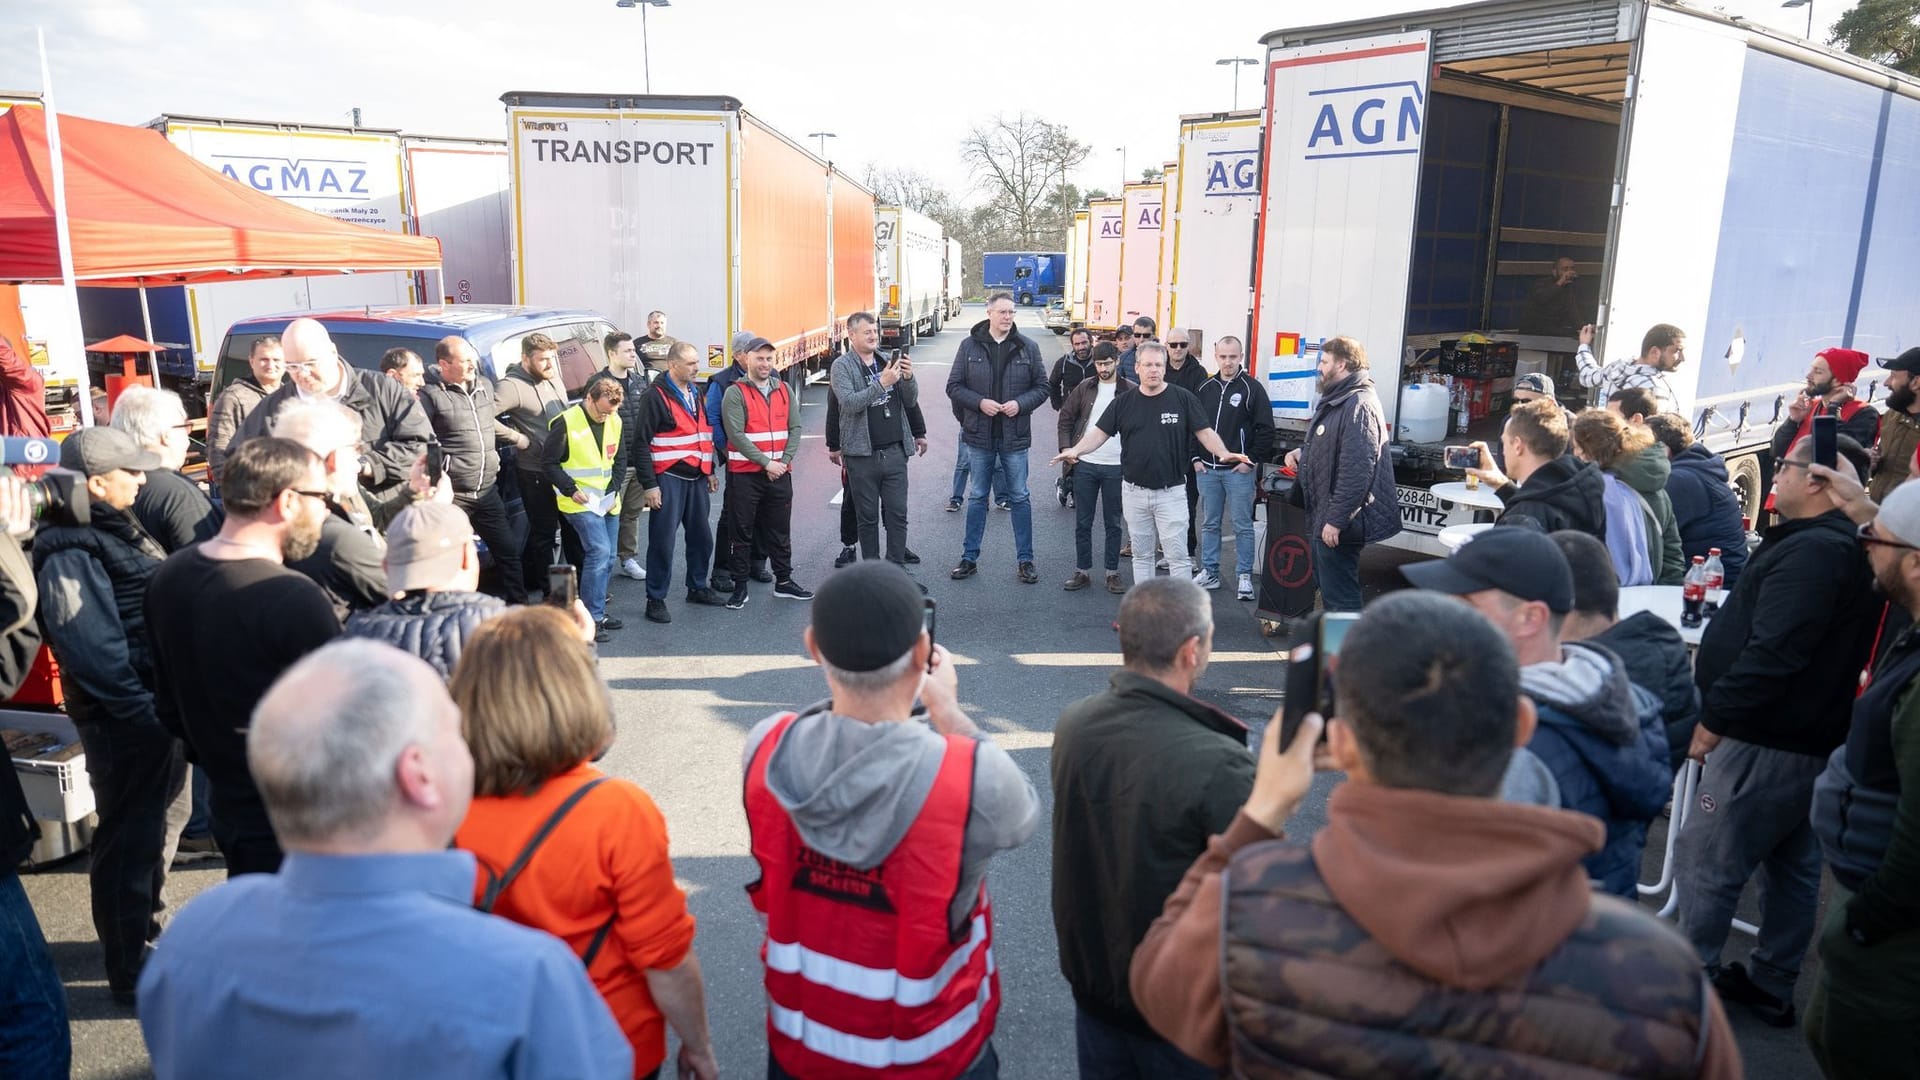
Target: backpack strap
[{"x": 496, "y": 886}]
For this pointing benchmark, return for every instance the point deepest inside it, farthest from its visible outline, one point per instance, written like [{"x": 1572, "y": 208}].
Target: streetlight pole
[
  {"x": 1236, "y": 63},
  {"x": 823, "y": 136},
  {"x": 1123, "y": 167},
  {"x": 646, "y": 52},
  {"x": 1808, "y": 4}
]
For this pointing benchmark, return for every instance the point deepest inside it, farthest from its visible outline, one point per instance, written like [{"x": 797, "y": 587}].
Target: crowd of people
[{"x": 398, "y": 750}]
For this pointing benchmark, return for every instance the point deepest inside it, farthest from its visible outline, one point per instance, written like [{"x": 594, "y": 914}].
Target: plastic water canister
[{"x": 1423, "y": 413}]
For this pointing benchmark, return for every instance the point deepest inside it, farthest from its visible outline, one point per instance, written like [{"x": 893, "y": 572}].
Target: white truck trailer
[
  {"x": 909, "y": 259},
  {"x": 457, "y": 191},
  {"x": 1140, "y": 251},
  {"x": 1215, "y": 194}
]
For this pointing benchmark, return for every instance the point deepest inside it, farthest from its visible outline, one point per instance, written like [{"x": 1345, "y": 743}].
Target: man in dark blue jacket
[
  {"x": 743, "y": 343},
  {"x": 997, "y": 382},
  {"x": 1243, "y": 418},
  {"x": 1598, "y": 733},
  {"x": 1706, "y": 509}
]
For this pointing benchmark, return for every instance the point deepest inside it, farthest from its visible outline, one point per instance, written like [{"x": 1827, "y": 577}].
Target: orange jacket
[{"x": 609, "y": 857}]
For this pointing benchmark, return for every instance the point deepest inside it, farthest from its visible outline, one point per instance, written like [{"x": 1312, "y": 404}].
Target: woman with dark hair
[{"x": 567, "y": 849}]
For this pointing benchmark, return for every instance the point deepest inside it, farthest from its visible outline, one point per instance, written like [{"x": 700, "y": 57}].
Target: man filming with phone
[
  {"x": 874, "y": 394},
  {"x": 872, "y": 831},
  {"x": 1468, "y": 920}
]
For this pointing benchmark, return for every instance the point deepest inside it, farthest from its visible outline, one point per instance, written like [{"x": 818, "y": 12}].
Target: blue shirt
[{"x": 368, "y": 965}]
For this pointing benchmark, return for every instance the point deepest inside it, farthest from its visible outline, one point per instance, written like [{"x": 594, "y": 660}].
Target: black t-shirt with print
[{"x": 1153, "y": 435}]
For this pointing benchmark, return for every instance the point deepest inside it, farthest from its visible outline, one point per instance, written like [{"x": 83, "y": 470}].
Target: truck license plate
[{"x": 1421, "y": 511}]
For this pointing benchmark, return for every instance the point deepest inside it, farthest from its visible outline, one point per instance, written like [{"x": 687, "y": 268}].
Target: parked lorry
[
  {"x": 1215, "y": 194},
  {"x": 1422, "y": 172},
  {"x": 457, "y": 190},
  {"x": 1163, "y": 296},
  {"x": 910, "y": 255},
  {"x": 1140, "y": 251},
  {"x": 955, "y": 292},
  {"x": 690, "y": 205},
  {"x": 1031, "y": 276},
  {"x": 1078, "y": 235},
  {"x": 1106, "y": 228}
]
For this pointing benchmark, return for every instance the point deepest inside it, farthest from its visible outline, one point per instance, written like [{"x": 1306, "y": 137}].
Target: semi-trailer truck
[
  {"x": 1422, "y": 172},
  {"x": 1031, "y": 276},
  {"x": 1163, "y": 297},
  {"x": 1140, "y": 252},
  {"x": 1079, "y": 234},
  {"x": 1215, "y": 195},
  {"x": 955, "y": 291},
  {"x": 1107, "y": 227},
  {"x": 457, "y": 190},
  {"x": 910, "y": 256},
  {"x": 628, "y": 203}
]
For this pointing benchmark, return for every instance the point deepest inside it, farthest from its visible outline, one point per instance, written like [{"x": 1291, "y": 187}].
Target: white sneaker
[
  {"x": 1206, "y": 579},
  {"x": 632, "y": 568},
  {"x": 1246, "y": 587}
]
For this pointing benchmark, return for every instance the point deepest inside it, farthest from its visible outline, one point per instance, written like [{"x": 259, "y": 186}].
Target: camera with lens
[{"x": 60, "y": 496}]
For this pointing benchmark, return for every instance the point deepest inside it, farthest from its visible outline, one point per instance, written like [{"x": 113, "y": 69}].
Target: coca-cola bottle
[
  {"x": 1716, "y": 583},
  {"x": 1693, "y": 593}
]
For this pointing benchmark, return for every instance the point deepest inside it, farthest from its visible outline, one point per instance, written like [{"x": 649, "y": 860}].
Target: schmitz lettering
[{"x": 621, "y": 152}]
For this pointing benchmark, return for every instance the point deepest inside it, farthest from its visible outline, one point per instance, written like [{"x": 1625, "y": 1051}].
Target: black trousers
[
  {"x": 849, "y": 521},
  {"x": 487, "y": 513},
  {"x": 1193, "y": 511},
  {"x": 543, "y": 520},
  {"x": 879, "y": 489},
  {"x": 759, "y": 514},
  {"x": 139, "y": 778},
  {"x": 723, "y": 549}
]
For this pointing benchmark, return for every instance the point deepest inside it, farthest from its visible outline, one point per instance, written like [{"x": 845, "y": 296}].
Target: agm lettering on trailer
[
  {"x": 621, "y": 152},
  {"x": 1366, "y": 121},
  {"x": 1232, "y": 172},
  {"x": 293, "y": 178}
]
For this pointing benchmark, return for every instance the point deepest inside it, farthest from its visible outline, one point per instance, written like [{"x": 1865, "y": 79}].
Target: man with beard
[
  {"x": 1068, "y": 372},
  {"x": 226, "y": 617},
  {"x": 1899, "y": 428},
  {"x": 1345, "y": 473},
  {"x": 1096, "y": 475},
  {"x": 529, "y": 397},
  {"x": 266, "y": 368},
  {"x": 653, "y": 348},
  {"x": 346, "y": 563},
  {"x": 1662, "y": 350},
  {"x": 1552, "y": 308},
  {"x": 1829, "y": 391}
]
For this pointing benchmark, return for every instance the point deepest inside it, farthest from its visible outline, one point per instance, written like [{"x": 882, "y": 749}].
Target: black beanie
[{"x": 867, "y": 616}]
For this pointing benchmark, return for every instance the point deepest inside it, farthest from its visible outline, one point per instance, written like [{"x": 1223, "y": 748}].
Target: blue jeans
[
  {"x": 985, "y": 464},
  {"x": 1107, "y": 1052},
  {"x": 34, "y": 1041},
  {"x": 1338, "y": 571},
  {"x": 1226, "y": 491},
  {"x": 963, "y": 464},
  {"x": 683, "y": 507},
  {"x": 599, "y": 535}
]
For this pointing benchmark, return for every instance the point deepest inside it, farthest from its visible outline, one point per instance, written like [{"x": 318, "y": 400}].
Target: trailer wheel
[{"x": 1744, "y": 475}]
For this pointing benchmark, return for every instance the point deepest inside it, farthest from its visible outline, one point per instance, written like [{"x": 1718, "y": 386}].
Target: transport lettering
[
  {"x": 1365, "y": 121},
  {"x": 621, "y": 152}
]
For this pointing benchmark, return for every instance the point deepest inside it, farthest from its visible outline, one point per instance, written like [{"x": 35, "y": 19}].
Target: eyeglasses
[
  {"x": 309, "y": 365},
  {"x": 323, "y": 496},
  {"x": 1868, "y": 537},
  {"x": 1789, "y": 463}
]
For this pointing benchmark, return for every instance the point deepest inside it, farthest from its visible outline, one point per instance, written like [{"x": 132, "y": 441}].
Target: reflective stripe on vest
[
  {"x": 864, "y": 977},
  {"x": 689, "y": 440},
  {"x": 589, "y": 460},
  {"x": 766, "y": 428}
]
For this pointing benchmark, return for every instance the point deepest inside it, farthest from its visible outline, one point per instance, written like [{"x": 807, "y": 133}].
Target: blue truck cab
[{"x": 1031, "y": 276}]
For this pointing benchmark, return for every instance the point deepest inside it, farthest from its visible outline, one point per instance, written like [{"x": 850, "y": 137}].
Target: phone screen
[
  {"x": 932, "y": 619},
  {"x": 436, "y": 463},
  {"x": 1462, "y": 457},
  {"x": 563, "y": 586},
  {"x": 1826, "y": 440}
]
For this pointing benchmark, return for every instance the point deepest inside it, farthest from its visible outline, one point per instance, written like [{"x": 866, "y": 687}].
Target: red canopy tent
[{"x": 142, "y": 212}]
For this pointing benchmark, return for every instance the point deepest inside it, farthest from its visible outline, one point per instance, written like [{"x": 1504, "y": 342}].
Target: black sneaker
[
  {"x": 706, "y": 596},
  {"x": 1029, "y": 575},
  {"x": 792, "y": 590},
  {"x": 601, "y": 634},
  {"x": 953, "y": 506},
  {"x": 612, "y": 623},
  {"x": 1735, "y": 984},
  {"x": 1003, "y": 504},
  {"x": 965, "y": 570},
  {"x": 847, "y": 558},
  {"x": 911, "y": 559},
  {"x": 739, "y": 598},
  {"x": 657, "y": 611},
  {"x": 721, "y": 583},
  {"x": 762, "y": 575}
]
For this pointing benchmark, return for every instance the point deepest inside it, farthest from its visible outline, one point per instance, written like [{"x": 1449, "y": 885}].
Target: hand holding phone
[
  {"x": 1826, "y": 440},
  {"x": 563, "y": 586},
  {"x": 436, "y": 463},
  {"x": 1311, "y": 662},
  {"x": 1462, "y": 457},
  {"x": 932, "y": 611}
]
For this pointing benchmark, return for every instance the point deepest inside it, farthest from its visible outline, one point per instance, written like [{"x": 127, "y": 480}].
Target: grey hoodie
[{"x": 853, "y": 788}]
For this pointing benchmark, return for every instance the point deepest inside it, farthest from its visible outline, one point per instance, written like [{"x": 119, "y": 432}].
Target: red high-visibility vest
[
  {"x": 766, "y": 428},
  {"x": 689, "y": 440},
  {"x": 864, "y": 977}
]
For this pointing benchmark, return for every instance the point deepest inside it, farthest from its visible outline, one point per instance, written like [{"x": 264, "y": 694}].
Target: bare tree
[
  {"x": 907, "y": 187},
  {"x": 1022, "y": 162}
]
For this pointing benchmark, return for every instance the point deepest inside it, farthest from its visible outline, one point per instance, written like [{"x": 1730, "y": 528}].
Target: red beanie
[{"x": 1846, "y": 364}]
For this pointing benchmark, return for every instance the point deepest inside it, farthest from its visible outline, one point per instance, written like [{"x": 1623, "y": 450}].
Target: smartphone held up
[{"x": 1312, "y": 659}]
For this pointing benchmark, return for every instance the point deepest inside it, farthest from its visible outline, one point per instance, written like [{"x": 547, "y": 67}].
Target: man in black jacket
[
  {"x": 997, "y": 381},
  {"x": 392, "y": 428},
  {"x": 1345, "y": 473},
  {"x": 529, "y": 397},
  {"x": 1778, "y": 668},
  {"x": 93, "y": 579},
  {"x": 1243, "y": 418},
  {"x": 1068, "y": 371},
  {"x": 171, "y": 508},
  {"x": 460, "y": 406},
  {"x": 1143, "y": 774},
  {"x": 34, "y": 1037},
  {"x": 433, "y": 572},
  {"x": 1648, "y": 646},
  {"x": 1542, "y": 484},
  {"x": 849, "y": 518}
]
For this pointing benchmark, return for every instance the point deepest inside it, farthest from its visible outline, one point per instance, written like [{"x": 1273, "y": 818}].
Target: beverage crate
[{"x": 1479, "y": 359}]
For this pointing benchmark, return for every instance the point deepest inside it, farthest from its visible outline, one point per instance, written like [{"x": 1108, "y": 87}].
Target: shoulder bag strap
[{"x": 498, "y": 885}]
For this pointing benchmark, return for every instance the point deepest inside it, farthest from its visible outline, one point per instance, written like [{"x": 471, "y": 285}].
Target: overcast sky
[{"x": 899, "y": 81}]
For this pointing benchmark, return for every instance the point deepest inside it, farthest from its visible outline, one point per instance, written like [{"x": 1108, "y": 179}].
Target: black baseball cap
[
  {"x": 1908, "y": 361},
  {"x": 1519, "y": 562},
  {"x": 97, "y": 451}
]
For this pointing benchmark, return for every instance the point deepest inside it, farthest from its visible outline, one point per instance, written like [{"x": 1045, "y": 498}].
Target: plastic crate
[
  {"x": 1479, "y": 359},
  {"x": 57, "y": 791}
]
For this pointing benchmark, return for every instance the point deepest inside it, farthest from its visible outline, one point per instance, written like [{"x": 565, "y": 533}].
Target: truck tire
[
  {"x": 1743, "y": 473},
  {"x": 1026, "y": 299}
]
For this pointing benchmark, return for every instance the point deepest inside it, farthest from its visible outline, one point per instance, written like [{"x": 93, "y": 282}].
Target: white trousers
[{"x": 1161, "y": 512}]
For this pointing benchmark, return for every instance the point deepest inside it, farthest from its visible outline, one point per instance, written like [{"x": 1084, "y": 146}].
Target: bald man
[
  {"x": 375, "y": 905},
  {"x": 393, "y": 427}
]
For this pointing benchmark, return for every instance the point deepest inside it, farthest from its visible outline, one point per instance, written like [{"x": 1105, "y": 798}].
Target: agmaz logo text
[{"x": 1366, "y": 121}]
